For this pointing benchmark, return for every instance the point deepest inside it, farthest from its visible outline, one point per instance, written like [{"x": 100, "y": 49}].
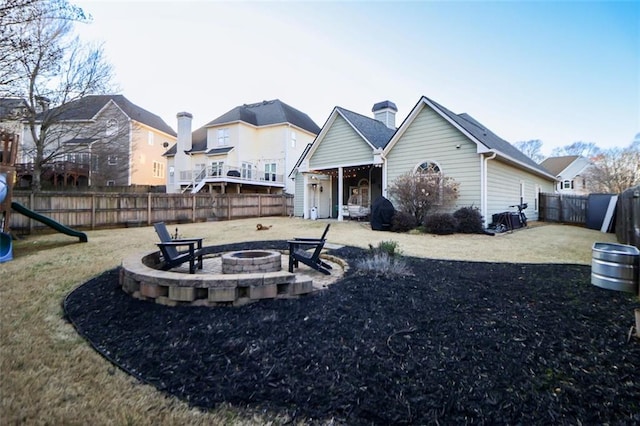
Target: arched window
[
  {"x": 428, "y": 167},
  {"x": 430, "y": 175},
  {"x": 112, "y": 127}
]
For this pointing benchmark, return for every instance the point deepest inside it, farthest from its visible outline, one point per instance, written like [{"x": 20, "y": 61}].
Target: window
[
  {"x": 270, "y": 172},
  {"x": 150, "y": 136},
  {"x": 216, "y": 168},
  {"x": 428, "y": 167},
  {"x": 112, "y": 127},
  {"x": 112, "y": 160},
  {"x": 201, "y": 171},
  {"x": 223, "y": 137},
  {"x": 430, "y": 176},
  {"x": 158, "y": 169},
  {"x": 172, "y": 172},
  {"x": 293, "y": 139},
  {"x": 111, "y": 183},
  {"x": 246, "y": 170},
  {"x": 567, "y": 184}
]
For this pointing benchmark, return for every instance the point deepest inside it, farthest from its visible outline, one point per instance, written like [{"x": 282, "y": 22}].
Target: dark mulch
[{"x": 459, "y": 342}]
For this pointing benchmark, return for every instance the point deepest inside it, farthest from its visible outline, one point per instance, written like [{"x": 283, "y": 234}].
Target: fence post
[
  {"x": 148, "y": 208},
  {"x": 259, "y": 205},
  {"x": 32, "y": 203},
  {"x": 93, "y": 211}
]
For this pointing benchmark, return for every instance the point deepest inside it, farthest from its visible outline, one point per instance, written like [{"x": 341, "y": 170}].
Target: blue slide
[
  {"x": 49, "y": 222},
  {"x": 6, "y": 243}
]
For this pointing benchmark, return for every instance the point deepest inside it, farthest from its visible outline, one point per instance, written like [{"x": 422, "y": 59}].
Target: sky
[{"x": 559, "y": 72}]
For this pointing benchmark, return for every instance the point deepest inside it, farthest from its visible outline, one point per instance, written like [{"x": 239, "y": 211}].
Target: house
[
  {"x": 99, "y": 140},
  {"x": 12, "y": 110},
  {"x": 249, "y": 149},
  {"x": 356, "y": 154},
  {"x": 571, "y": 172}
]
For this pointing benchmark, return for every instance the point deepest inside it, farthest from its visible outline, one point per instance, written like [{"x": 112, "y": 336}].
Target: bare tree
[
  {"x": 422, "y": 192},
  {"x": 14, "y": 15},
  {"x": 584, "y": 149},
  {"x": 50, "y": 67},
  {"x": 531, "y": 149},
  {"x": 616, "y": 170}
]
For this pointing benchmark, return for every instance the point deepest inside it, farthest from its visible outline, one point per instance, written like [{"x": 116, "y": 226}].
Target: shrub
[
  {"x": 440, "y": 224},
  {"x": 469, "y": 220},
  {"x": 389, "y": 247},
  {"x": 403, "y": 222},
  {"x": 383, "y": 264},
  {"x": 419, "y": 193}
]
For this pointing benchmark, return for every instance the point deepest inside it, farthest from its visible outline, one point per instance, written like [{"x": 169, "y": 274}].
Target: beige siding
[
  {"x": 144, "y": 154},
  {"x": 431, "y": 138},
  {"x": 503, "y": 189},
  {"x": 341, "y": 146}
]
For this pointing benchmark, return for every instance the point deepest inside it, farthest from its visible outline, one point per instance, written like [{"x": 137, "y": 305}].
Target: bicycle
[{"x": 522, "y": 217}]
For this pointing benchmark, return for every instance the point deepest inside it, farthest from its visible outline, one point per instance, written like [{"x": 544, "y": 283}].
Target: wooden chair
[
  {"x": 173, "y": 257},
  {"x": 299, "y": 251}
]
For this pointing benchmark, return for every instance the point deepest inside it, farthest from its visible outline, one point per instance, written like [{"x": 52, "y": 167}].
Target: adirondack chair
[
  {"x": 300, "y": 251},
  {"x": 172, "y": 256}
]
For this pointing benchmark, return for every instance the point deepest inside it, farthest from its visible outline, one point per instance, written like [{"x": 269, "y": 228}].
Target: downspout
[
  {"x": 483, "y": 184},
  {"x": 131, "y": 159}
]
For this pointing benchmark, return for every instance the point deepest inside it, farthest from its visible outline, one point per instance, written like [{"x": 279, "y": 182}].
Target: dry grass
[{"x": 51, "y": 376}]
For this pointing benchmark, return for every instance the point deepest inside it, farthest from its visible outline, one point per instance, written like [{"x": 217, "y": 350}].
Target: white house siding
[
  {"x": 431, "y": 138},
  {"x": 341, "y": 146},
  {"x": 503, "y": 189}
]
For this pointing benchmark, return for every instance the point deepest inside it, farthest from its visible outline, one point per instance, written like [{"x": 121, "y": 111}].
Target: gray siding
[
  {"x": 341, "y": 146},
  {"x": 431, "y": 138},
  {"x": 503, "y": 189}
]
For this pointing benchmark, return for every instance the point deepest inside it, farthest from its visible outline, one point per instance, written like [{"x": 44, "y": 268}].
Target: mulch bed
[{"x": 457, "y": 342}]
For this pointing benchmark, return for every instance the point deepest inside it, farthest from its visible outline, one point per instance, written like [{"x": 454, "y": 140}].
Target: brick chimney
[{"x": 385, "y": 112}]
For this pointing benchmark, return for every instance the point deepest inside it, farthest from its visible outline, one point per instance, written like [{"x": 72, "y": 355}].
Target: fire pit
[{"x": 251, "y": 261}]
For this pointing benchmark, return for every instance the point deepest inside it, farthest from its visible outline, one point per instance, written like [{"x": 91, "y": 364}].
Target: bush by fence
[{"x": 104, "y": 210}]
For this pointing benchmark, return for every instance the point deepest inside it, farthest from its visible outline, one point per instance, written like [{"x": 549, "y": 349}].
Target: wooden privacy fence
[
  {"x": 564, "y": 208},
  {"x": 105, "y": 210},
  {"x": 628, "y": 217}
]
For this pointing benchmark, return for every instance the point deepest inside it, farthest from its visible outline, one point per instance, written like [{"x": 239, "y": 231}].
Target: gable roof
[
  {"x": 10, "y": 107},
  {"x": 375, "y": 132},
  {"x": 474, "y": 130},
  {"x": 87, "y": 107},
  {"x": 555, "y": 165},
  {"x": 266, "y": 113}
]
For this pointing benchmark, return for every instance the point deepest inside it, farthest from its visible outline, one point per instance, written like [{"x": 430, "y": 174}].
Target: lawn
[{"x": 400, "y": 350}]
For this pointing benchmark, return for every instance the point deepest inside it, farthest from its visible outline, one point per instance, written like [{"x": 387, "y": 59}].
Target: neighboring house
[
  {"x": 355, "y": 154},
  {"x": 571, "y": 172},
  {"x": 99, "y": 140},
  {"x": 249, "y": 149},
  {"x": 11, "y": 112}
]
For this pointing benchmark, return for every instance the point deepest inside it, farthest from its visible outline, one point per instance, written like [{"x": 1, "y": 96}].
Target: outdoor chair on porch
[
  {"x": 300, "y": 251},
  {"x": 172, "y": 256}
]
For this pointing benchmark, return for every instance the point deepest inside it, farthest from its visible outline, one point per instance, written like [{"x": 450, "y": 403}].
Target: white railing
[{"x": 229, "y": 173}]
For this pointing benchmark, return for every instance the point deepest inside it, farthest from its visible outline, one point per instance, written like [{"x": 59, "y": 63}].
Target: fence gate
[{"x": 564, "y": 208}]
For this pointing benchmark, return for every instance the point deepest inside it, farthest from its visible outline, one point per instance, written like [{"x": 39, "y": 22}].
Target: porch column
[
  {"x": 305, "y": 197},
  {"x": 340, "y": 192}
]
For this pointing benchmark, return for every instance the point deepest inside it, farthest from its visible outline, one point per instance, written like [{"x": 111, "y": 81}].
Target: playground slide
[
  {"x": 49, "y": 222},
  {"x": 6, "y": 243},
  {"x": 6, "y": 247}
]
